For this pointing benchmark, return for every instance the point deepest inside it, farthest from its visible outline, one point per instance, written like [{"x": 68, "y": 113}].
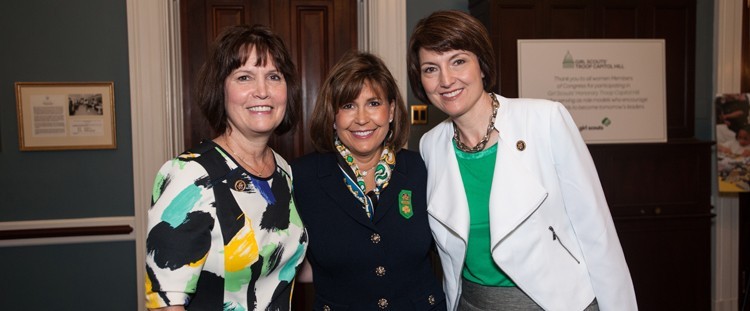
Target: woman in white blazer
[{"x": 514, "y": 201}]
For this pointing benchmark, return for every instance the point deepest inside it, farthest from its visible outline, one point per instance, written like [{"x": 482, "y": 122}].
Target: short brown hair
[
  {"x": 450, "y": 30},
  {"x": 229, "y": 52},
  {"x": 343, "y": 85}
]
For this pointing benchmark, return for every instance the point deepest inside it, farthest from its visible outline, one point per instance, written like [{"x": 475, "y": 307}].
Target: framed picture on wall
[{"x": 65, "y": 115}]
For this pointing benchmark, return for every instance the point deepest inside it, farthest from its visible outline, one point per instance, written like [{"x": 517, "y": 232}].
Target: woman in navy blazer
[{"x": 362, "y": 197}]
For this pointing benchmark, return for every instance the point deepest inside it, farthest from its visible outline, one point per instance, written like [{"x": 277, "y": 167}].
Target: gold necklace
[
  {"x": 257, "y": 173},
  {"x": 364, "y": 172},
  {"x": 480, "y": 146}
]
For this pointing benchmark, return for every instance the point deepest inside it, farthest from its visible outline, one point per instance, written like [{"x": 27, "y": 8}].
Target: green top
[{"x": 476, "y": 172}]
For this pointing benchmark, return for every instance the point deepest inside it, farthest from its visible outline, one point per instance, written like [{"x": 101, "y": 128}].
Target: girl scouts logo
[{"x": 405, "y": 204}]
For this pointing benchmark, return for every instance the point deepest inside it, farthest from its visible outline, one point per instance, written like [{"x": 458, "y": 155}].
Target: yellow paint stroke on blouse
[
  {"x": 242, "y": 250},
  {"x": 152, "y": 298}
]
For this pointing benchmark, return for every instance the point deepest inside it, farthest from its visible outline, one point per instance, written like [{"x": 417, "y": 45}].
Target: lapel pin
[
  {"x": 240, "y": 185},
  {"x": 520, "y": 145},
  {"x": 404, "y": 201}
]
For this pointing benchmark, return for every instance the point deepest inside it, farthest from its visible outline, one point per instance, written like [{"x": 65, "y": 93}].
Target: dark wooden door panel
[
  {"x": 677, "y": 26},
  {"x": 620, "y": 22},
  {"x": 655, "y": 179},
  {"x": 225, "y": 16},
  {"x": 668, "y": 272},
  {"x": 312, "y": 30},
  {"x": 570, "y": 21},
  {"x": 659, "y": 196}
]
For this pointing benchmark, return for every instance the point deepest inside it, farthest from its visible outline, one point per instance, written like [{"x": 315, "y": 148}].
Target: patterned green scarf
[{"x": 382, "y": 175}]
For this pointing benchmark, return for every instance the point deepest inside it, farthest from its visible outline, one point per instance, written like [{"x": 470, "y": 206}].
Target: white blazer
[{"x": 544, "y": 180}]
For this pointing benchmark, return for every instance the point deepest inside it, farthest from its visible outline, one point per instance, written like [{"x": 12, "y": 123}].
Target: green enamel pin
[{"x": 404, "y": 206}]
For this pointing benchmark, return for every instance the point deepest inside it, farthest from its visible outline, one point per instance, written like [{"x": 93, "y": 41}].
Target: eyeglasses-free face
[
  {"x": 256, "y": 97},
  {"x": 452, "y": 80},
  {"x": 362, "y": 125}
]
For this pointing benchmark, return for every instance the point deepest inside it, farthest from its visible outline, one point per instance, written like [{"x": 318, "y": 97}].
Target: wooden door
[
  {"x": 316, "y": 32},
  {"x": 659, "y": 196}
]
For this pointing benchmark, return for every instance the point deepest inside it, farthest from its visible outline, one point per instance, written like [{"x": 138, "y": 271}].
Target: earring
[{"x": 334, "y": 126}]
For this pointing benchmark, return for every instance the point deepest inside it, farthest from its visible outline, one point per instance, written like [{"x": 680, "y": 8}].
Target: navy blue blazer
[{"x": 363, "y": 264}]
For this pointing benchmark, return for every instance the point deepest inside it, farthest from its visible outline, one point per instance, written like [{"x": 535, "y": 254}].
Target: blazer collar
[
  {"x": 332, "y": 184},
  {"x": 331, "y": 179}
]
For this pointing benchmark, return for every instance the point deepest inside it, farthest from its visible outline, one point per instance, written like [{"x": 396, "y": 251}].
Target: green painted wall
[
  {"x": 65, "y": 41},
  {"x": 91, "y": 276}
]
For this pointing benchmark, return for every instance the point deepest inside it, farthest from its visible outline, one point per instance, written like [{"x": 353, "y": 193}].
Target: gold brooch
[
  {"x": 520, "y": 145},
  {"x": 240, "y": 185}
]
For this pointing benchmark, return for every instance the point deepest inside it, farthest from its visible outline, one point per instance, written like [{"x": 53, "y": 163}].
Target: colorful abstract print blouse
[{"x": 220, "y": 238}]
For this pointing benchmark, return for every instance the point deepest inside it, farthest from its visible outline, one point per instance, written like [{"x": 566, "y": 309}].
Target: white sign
[{"x": 614, "y": 89}]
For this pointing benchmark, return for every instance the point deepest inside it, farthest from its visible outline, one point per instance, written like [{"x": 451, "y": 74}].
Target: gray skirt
[{"x": 475, "y": 297}]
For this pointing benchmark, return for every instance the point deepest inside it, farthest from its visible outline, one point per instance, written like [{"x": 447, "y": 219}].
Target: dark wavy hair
[
  {"x": 343, "y": 85},
  {"x": 229, "y": 52},
  {"x": 444, "y": 31}
]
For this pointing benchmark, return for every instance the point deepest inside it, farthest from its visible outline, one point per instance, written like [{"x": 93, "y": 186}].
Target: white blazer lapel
[
  {"x": 516, "y": 192},
  {"x": 445, "y": 191}
]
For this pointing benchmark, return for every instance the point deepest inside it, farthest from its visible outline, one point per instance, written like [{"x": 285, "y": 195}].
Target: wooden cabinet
[{"x": 659, "y": 194}]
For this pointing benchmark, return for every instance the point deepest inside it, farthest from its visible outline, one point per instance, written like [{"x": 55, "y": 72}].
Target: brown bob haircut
[
  {"x": 444, "y": 31},
  {"x": 343, "y": 85},
  {"x": 229, "y": 52}
]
